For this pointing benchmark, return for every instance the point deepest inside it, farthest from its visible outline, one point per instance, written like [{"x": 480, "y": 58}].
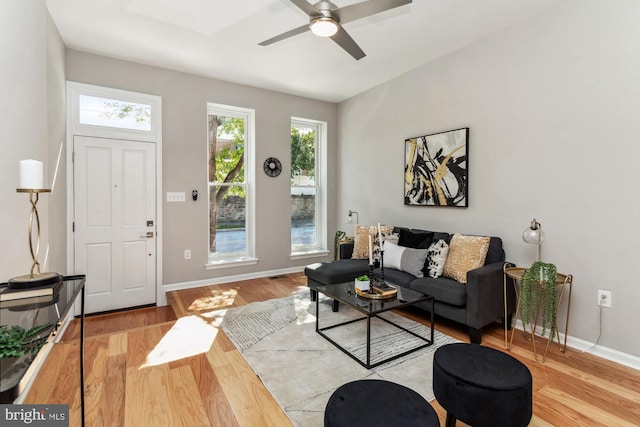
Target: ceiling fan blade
[
  {"x": 306, "y": 7},
  {"x": 344, "y": 40},
  {"x": 366, "y": 8},
  {"x": 301, "y": 29}
]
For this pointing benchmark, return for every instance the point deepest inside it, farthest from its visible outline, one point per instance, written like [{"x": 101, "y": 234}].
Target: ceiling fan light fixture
[{"x": 323, "y": 26}]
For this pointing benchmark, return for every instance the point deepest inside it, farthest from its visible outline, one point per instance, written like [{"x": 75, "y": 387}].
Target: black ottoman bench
[
  {"x": 378, "y": 403},
  {"x": 481, "y": 386}
]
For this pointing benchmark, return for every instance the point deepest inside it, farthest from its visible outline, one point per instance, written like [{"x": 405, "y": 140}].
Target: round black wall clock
[{"x": 272, "y": 167}]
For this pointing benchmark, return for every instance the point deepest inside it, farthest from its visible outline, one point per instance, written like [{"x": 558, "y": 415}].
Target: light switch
[{"x": 175, "y": 196}]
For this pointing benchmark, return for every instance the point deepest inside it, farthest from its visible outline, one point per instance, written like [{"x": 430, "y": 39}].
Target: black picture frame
[{"x": 436, "y": 171}]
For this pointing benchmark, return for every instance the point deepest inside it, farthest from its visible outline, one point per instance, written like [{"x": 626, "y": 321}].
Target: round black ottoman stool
[
  {"x": 481, "y": 386},
  {"x": 375, "y": 403}
]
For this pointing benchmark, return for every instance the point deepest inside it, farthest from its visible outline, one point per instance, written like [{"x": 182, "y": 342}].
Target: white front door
[{"x": 115, "y": 221}]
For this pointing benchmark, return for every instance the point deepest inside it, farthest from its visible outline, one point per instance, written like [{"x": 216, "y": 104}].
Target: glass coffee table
[{"x": 370, "y": 308}]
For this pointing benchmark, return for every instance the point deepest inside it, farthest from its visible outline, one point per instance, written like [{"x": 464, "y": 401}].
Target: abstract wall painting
[{"x": 436, "y": 169}]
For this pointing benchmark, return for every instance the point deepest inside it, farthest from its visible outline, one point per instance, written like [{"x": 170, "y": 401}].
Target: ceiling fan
[{"x": 325, "y": 19}]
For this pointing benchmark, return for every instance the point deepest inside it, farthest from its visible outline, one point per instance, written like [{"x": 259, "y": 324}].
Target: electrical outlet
[
  {"x": 187, "y": 254},
  {"x": 604, "y": 298}
]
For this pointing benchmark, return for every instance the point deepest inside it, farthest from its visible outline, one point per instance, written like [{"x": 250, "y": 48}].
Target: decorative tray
[{"x": 374, "y": 295}]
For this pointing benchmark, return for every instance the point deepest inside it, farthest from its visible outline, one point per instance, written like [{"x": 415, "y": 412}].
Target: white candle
[
  {"x": 31, "y": 174},
  {"x": 370, "y": 251},
  {"x": 379, "y": 236}
]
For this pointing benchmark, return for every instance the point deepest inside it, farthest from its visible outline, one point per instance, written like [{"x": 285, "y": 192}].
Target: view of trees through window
[
  {"x": 227, "y": 187},
  {"x": 303, "y": 186},
  {"x": 107, "y": 112}
]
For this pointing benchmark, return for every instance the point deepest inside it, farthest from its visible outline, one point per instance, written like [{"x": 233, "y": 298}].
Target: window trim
[
  {"x": 320, "y": 248},
  {"x": 78, "y": 89},
  {"x": 247, "y": 258}
]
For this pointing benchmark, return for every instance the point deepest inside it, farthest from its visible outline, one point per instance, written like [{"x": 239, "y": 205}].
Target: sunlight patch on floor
[
  {"x": 215, "y": 300},
  {"x": 188, "y": 337},
  {"x": 301, "y": 307}
]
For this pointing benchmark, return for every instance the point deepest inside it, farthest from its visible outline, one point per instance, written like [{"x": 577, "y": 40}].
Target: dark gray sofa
[{"x": 475, "y": 304}]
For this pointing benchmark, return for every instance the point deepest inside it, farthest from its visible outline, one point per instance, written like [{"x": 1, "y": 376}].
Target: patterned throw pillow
[
  {"x": 386, "y": 237},
  {"x": 361, "y": 241},
  {"x": 465, "y": 253},
  {"x": 436, "y": 258}
]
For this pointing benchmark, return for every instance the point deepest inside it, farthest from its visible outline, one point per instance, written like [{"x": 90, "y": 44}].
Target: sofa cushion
[
  {"x": 340, "y": 271},
  {"x": 442, "y": 289},
  {"x": 436, "y": 258},
  {"x": 417, "y": 239},
  {"x": 437, "y": 235},
  {"x": 405, "y": 259},
  {"x": 465, "y": 253},
  {"x": 397, "y": 277},
  {"x": 495, "y": 252},
  {"x": 361, "y": 243}
]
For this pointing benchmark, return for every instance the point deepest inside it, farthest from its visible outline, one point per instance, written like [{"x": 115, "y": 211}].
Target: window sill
[
  {"x": 310, "y": 254},
  {"x": 230, "y": 262}
]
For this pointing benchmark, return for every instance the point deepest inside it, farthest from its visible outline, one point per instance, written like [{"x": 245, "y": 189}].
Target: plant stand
[{"x": 564, "y": 281}]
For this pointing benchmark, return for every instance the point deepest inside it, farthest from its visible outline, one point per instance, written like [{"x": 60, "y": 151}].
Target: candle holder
[
  {"x": 35, "y": 278},
  {"x": 371, "y": 278},
  {"x": 381, "y": 265}
]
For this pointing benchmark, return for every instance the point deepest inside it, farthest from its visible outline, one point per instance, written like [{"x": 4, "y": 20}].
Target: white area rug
[{"x": 301, "y": 369}]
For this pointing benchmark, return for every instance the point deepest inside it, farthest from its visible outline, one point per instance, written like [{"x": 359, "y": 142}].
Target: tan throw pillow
[
  {"x": 361, "y": 240},
  {"x": 465, "y": 253}
]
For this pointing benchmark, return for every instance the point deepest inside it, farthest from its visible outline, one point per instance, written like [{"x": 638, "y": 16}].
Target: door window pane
[{"x": 98, "y": 111}]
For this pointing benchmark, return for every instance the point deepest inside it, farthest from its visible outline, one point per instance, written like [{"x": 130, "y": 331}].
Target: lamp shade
[
  {"x": 324, "y": 26},
  {"x": 533, "y": 236},
  {"x": 349, "y": 218}
]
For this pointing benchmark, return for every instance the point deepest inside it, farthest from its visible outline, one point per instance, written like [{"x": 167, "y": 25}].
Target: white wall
[
  {"x": 32, "y": 72},
  {"x": 56, "y": 159},
  {"x": 184, "y": 139},
  {"x": 552, "y": 105}
]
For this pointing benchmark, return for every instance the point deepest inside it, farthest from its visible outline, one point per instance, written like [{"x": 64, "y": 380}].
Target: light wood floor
[{"x": 217, "y": 387}]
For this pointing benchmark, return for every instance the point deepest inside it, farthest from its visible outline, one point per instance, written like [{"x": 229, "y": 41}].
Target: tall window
[
  {"x": 308, "y": 203},
  {"x": 229, "y": 144}
]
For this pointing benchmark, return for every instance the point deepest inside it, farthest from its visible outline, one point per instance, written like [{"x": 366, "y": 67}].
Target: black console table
[{"x": 18, "y": 376}]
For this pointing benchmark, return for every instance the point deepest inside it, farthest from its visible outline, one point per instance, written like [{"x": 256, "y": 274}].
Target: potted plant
[
  {"x": 16, "y": 341},
  {"x": 17, "y": 348},
  {"x": 538, "y": 291},
  {"x": 362, "y": 283}
]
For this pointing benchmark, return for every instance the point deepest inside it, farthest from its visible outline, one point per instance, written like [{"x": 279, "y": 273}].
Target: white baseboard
[
  {"x": 229, "y": 279},
  {"x": 597, "y": 350}
]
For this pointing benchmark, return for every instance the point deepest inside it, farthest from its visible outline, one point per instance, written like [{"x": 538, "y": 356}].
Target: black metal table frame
[
  {"x": 82, "y": 316},
  {"x": 368, "y": 364}
]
